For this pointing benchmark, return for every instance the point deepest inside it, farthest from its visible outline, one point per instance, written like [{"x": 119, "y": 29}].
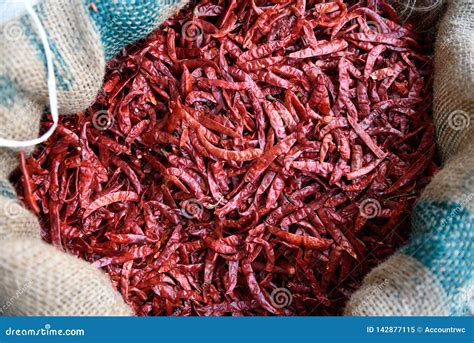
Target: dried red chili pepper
[{"x": 276, "y": 148}]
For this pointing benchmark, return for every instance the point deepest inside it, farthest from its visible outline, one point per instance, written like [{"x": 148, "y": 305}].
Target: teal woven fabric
[
  {"x": 125, "y": 21},
  {"x": 442, "y": 240},
  {"x": 8, "y": 91}
]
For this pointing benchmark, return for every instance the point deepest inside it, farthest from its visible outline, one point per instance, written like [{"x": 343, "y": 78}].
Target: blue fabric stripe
[
  {"x": 64, "y": 78},
  {"x": 442, "y": 240},
  {"x": 6, "y": 190},
  {"x": 8, "y": 91},
  {"x": 124, "y": 21}
]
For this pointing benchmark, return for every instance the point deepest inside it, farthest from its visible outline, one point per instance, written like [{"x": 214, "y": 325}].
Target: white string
[{"x": 53, "y": 99}]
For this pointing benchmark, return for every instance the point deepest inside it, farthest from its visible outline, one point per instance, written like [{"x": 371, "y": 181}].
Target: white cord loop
[{"x": 53, "y": 99}]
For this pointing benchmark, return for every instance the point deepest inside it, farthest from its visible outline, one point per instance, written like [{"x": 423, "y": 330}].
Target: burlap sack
[
  {"x": 428, "y": 277},
  {"x": 35, "y": 278}
]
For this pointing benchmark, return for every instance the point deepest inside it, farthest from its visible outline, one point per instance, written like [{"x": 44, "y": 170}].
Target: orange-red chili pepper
[{"x": 242, "y": 148}]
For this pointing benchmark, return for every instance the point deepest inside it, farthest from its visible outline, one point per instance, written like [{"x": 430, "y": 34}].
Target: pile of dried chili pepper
[{"x": 250, "y": 157}]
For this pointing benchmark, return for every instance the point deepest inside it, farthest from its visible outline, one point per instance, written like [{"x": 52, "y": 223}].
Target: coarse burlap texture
[{"x": 427, "y": 277}]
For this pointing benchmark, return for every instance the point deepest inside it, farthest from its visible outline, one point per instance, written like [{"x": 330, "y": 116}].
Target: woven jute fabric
[
  {"x": 41, "y": 281},
  {"x": 430, "y": 276},
  {"x": 78, "y": 58},
  {"x": 386, "y": 292}
]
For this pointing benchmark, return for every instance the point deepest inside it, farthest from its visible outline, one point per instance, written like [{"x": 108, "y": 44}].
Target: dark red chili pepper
[
  {"x": 304, "y": 241},
  {"x": 323, "y": 48},
  {"x": 244, "y": 147},
  {"x": 245, "y": 155},
  {"x": 268, "y": 157},
  {"x": 255, "y": 289},
  {"x": 29, "y": 198}
]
